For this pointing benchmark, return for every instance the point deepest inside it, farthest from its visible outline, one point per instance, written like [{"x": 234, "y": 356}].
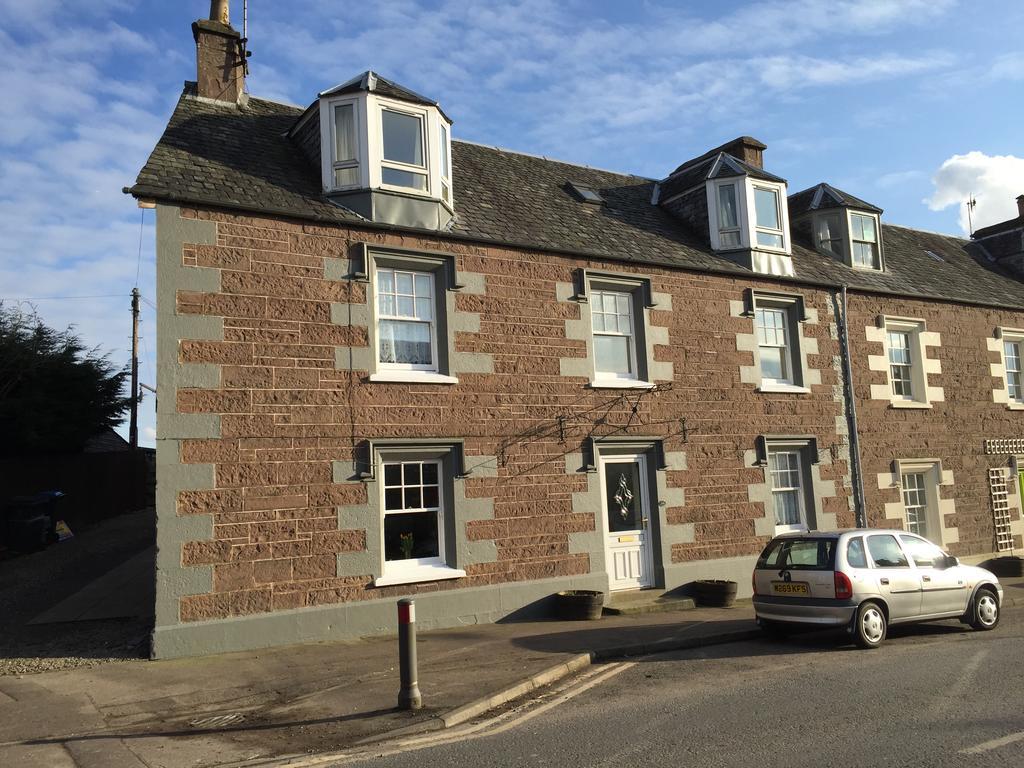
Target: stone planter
[
  {"x": 579, "y": 605},
  {"x": 714, "y": 593}
]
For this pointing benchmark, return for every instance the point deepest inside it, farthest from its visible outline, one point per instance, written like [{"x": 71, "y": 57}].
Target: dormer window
[
  {"x": 842, "y": 225},
  {"x": 384, "y": 152},
  {"x": 748, "y": 213},
  {"x": 403, "y": 163}
]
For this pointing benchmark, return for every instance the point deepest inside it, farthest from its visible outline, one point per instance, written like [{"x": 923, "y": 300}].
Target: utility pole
[{"x": 133, "y": 425}]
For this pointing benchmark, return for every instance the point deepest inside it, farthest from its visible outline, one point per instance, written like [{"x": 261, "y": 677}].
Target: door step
[{"x": 646, "y": 601}]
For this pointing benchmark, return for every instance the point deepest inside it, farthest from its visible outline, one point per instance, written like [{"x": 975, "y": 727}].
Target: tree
[{"x": 55, "y": 393}]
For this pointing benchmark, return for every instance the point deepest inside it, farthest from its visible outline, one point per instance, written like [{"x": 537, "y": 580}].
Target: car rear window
[{"x": 800, "y": 553}]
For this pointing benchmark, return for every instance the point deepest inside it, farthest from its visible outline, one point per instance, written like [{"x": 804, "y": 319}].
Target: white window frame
[
  {"x": 839, "y": 238},
  {"x": 357, "y": 162},
  {"x": 424, "y": 170},
  {"x": 328, "y": 130},
  {"x": 774, "y": 189},
  {"x": 877, "y": 266},
  {"x": 445, "y": 145},
  {"x": 789, "y": 354},
  {"x": 797, "y": 450},
  {"x": 918, "y": 377},
  {"x": 931, "y": 471},
  {"x": 1012, "y": 336},
  {"x": 415, "y": 569},
  {"x": 634, "y": 374},
  {"x": 635, "y": 289},
  {"x": 378, "y": 316},
  {"x": 746, "y": 213}
]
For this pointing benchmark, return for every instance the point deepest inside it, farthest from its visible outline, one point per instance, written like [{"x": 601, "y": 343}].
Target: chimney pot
[{"x": 219, "y": 12}]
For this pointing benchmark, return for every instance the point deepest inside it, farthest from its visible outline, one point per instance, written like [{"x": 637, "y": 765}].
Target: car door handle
[
  {"x": 883, "y": 581},
  {"x": 926, "y": 578}
]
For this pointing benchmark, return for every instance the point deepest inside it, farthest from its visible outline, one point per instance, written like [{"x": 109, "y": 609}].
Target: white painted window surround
[
  {"x": 1009, "y": 343},
  {"x": 748, "y": 213},
  {"x": 618, "y": 330},
  {"x": 906, "y": 363},
  {"x": 919, "y": 507},
  {"x": 371, "y": 142},
  {"x": 789, "y": 496},
  {"x": 853, "y": 236}
]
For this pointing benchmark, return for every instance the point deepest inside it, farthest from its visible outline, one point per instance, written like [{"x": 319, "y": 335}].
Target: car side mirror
[{"x": 951, "y": 561}]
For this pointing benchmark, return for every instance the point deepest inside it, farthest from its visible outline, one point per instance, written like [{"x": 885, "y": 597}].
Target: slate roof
[
  {"x": 1003, "y": 226},
  {"x": 242, "y": 158},
  {"x": 714, "y": 166},
  {"x": 822, "y": 196},
  {"x": 374, "y": 83}
]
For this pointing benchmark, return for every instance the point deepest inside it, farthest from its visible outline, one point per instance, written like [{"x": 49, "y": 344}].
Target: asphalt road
[{"x": 929, "y": 693}]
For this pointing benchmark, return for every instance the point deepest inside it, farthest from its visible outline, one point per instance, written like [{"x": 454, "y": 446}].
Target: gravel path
[{"x": 32, "y": 583}]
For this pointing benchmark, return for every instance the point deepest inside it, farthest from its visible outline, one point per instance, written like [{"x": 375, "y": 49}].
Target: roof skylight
[
  {"x": 935, "y": 256},
  {"x": 586, "y": 194}
]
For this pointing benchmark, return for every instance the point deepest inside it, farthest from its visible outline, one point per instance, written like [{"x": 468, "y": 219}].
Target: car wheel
[
  {"x": 870, "y": 625},
  {"x": 985, "y": 610}
]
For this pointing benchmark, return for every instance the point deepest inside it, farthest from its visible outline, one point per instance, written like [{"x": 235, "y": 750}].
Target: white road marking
[
  {"x": 953, "y": 694},
  {"x": 489, "y": 727},
  {"x": 988, "y": 746}
]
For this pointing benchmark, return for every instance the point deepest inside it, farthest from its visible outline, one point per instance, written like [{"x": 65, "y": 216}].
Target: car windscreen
[{"x": 803, "y": 553}]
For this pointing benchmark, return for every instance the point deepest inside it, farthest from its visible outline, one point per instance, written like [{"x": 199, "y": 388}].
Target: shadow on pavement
[{"x": 240, "y": 728}]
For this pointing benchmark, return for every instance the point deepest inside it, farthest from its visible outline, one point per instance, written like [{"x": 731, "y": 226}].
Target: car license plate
[{"x": 790, "y": 588}]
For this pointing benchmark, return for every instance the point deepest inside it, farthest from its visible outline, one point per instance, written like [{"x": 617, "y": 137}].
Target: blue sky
[{"x": 910, "y": 104}]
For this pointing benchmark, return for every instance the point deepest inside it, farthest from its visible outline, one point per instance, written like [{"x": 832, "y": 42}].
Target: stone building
[{"x": 393, "y": 363}]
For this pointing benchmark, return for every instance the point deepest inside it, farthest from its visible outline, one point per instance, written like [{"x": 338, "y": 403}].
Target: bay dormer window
[
  {"x": 748, "y": 213},
  {"x": 842, "y": 225},
  {"x": 384, "y": 152}
]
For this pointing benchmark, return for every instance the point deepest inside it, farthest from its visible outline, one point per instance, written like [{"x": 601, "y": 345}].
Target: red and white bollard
[{"x": 409, "y": 696}]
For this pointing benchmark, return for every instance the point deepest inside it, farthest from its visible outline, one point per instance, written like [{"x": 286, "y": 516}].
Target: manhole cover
[{"x": 217, "y": 721}]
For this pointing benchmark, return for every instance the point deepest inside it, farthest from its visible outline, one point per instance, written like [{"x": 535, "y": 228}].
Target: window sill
[
  {"x": 910, "y": 404},
  {"x": 783, "y": 388},
  {"x": 1015, "y": 406},
  {"x": 412, "y": 377},
  {"x": 621, "y": 384},
  {"x": 415, "y": 575}
]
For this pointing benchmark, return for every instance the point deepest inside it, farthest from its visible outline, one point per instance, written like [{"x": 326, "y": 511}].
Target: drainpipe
[{"x": 857, "y": 476}]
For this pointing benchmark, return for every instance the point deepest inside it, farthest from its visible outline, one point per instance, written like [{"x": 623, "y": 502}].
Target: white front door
[{"x": 627, "y": 522}]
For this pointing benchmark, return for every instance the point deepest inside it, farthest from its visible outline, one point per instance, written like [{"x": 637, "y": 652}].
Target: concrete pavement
[{"x": 320, "y": 697}]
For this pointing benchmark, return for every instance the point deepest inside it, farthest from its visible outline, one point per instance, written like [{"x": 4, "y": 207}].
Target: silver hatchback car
[{"x": 866, "y": 579}]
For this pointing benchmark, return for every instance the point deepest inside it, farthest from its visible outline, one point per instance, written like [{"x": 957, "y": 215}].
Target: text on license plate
[{"x": 790, "y": 587}]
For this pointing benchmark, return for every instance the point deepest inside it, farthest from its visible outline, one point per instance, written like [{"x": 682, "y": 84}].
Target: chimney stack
[
  {"x": 220, "y": 56},
  {"x": 747, "y": 149},
  {"x": 1020, "y": 207}
]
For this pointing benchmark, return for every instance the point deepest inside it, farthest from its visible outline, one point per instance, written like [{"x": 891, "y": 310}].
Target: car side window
[
  {"x": 924, "y": 553},
  {"x": 886, "y": 552},
  {"x": 855, "y": 555}
]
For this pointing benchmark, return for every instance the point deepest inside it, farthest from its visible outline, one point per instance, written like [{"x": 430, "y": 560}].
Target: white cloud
[{"x": 994, "y": 181}]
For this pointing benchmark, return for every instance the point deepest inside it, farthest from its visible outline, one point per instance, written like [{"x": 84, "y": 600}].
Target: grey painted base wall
[{"x": 437, "y": 610}]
